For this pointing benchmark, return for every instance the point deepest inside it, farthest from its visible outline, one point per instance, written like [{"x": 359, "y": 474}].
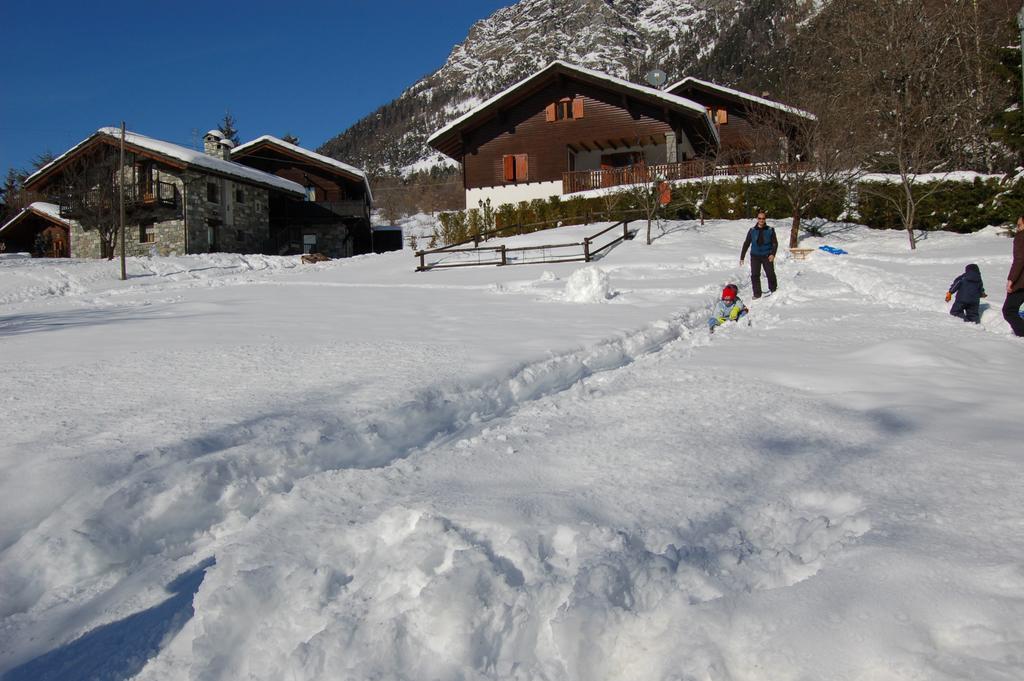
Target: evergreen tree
[
  {"x": 227, "y": 127},
  {"x": 1008, "y": 126}
]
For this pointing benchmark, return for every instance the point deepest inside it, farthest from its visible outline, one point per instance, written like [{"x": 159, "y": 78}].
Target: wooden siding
[
  {"x": 610, "y": 121},
  {"x": 330, "y": 187}
]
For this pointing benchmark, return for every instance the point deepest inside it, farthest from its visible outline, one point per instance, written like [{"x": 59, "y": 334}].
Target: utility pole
[{"x": 124, "y": 272}]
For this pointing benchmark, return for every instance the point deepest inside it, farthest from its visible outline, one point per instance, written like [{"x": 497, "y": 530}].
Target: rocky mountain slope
[{"x": 730, "y": 41}]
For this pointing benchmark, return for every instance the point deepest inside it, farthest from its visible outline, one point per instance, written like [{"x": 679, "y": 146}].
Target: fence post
[
  {"x": 625, "y": 230},
  {"x": 504, "y": 261},
  {"x": 423, "y": 264},
  {"x": 586, "y": 249}
]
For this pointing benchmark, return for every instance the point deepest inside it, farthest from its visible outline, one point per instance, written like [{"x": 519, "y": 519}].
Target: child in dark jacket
[{"x": 969, "y": 291}]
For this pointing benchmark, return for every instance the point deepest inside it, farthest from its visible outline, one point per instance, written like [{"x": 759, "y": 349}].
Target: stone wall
[
  {"x": 235, "y": 215},
  {"x": 219, "y": 221},
  {"x": 333, "y": 241}
]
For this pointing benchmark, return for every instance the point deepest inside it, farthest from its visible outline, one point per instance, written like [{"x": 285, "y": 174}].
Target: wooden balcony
[
  {"x": 159, "y": 194},
  {"x": 585, "y": 180}
]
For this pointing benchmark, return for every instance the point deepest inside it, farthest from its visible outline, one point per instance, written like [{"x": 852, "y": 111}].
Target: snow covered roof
[
  {"x": 248, "y": 147},
  {"x": 215, "y": 133},
  {"x": 47, "y": 210},
  {"x": 707, "y": 85},
  {"x": 677, "y": 102},
  {"x": 227, "y": 143},
  {"x": 178, "y": 153}
]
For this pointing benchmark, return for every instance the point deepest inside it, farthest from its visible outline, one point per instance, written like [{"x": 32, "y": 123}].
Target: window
[
  {"x": 147, "y": 235},
  {"x": 564, "y": 109},
  {"x": 311, "y": 193},
  {"x": 212, "y": 192},
  {"x": 516, "y": 168},
  {"x": 723, "y": 116},
  {"x": 239, "y": 195}
]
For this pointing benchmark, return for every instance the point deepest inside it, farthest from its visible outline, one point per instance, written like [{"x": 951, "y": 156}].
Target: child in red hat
[{"x": 729, "y": 309}]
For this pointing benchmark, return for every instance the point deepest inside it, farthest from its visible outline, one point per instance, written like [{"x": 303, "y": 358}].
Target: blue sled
[{"x": 833, "y": 250}]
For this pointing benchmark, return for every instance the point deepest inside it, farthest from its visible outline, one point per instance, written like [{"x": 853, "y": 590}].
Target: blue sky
[{"x": 171, "y": 68}]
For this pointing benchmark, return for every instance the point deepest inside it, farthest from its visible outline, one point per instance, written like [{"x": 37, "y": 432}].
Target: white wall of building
[{"x": 513, "y": 193}]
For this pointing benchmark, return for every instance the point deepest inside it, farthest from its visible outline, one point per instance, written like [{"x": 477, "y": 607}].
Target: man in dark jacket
[
  {"x": 763, "y": 245},
  {"x": 1015, "y": 283},
  {"x": 969, "y": 291}
]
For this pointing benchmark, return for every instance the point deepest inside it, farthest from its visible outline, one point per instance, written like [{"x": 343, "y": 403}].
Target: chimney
[
  {"x": 212, "y": 143},
  {"x": 225, "y": 147}
]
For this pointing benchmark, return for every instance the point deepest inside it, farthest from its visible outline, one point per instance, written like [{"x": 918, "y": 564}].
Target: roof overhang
[
  {"x": 742, "y": 98},
  {"x": 167, "y": 153},
  {"x": 449, "y": 139},
  {"x": 47, "y": 211},
  {"x": 296, "y": 152}
]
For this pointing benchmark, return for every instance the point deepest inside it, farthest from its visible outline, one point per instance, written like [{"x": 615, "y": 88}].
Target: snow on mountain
[
  {"x": 729, "y": 40},
  {"x": 244, "y": 467}
]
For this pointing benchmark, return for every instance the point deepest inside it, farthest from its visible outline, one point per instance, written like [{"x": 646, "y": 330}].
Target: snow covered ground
[{"x": 239, "y": 467}]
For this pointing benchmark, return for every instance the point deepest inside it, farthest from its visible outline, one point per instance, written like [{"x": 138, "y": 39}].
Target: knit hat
[{"x": 730, "y": 292}]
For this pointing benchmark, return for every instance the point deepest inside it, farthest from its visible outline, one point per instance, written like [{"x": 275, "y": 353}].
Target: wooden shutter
[
  {"x": 522, "y": 168},
  {"x": 510, "y": 168},
  {"x": 577, "y": 107},
  {"x": 549, "y": 112},
  {"x": 723, "y": 116}
]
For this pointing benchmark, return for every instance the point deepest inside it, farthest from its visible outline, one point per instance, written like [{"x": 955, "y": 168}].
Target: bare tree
[
  {"x": 89, "y": 193},
  {"x": 900, "y": 60},
  {"x": 807, "y": 158}
]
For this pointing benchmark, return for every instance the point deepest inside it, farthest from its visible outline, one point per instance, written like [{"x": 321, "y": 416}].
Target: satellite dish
[{"x": 656, "y": 77}]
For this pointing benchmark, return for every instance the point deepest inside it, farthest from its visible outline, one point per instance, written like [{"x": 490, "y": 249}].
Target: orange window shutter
[
  {"x": 549, "y": 112},
  {"x": 522, "y": 167},
  {"x": 510, "y": 168},
  {"x": 577, "y": 107}
]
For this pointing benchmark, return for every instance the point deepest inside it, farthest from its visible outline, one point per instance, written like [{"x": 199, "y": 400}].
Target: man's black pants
[
  {"x": 756, "y": 263},
  {"x": 1011, "y": 311}
]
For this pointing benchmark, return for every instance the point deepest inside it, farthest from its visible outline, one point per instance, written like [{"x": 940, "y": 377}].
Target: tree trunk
[
  {"x": 648, "y": 231},
  {"x": 794, "y": 231},
  {"x": 910, "y": 215}
]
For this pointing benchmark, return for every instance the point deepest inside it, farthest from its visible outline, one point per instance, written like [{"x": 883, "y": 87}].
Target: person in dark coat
[
  {"x": 1015, "y": 283},
  {"x": 763, "y": 245},
  {"x": 969, "y": 291}
]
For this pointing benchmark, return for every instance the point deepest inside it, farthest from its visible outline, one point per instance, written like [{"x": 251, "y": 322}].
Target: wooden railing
[
  {"x": 455, "y": 255},
  {"x": 584, "y": 180},
  {"x": 160, "y": 194}
]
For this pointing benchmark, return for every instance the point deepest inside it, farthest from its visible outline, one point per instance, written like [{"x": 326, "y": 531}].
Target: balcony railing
[
  {"x": 584, "y": 180},
  {"x": 159, "y": 195}
]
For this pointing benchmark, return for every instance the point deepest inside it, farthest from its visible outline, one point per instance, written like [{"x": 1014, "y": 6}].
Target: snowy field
[{"x": 239, "y": 467}]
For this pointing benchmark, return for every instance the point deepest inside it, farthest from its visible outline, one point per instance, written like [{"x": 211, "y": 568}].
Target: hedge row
[{"x": 957, "y": 206}]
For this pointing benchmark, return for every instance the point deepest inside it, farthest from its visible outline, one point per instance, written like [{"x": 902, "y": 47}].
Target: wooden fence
[{"x": 455, "y": 255}]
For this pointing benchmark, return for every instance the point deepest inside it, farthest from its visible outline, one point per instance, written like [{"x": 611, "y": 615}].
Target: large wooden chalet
[
  {"x": 567, "y": 128},
  {"x": 276, "y": 198}
]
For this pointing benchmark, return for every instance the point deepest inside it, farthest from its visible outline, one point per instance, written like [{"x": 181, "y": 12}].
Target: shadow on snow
[{"x": 118, "y": 650}]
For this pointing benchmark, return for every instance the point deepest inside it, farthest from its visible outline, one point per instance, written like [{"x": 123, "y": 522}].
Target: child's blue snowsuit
[
  {"x": 726, "y": 311},
  {"x": 969, "y": 291}
]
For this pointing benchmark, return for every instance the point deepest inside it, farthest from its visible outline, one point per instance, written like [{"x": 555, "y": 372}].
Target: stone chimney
[
  {"x": 225, "y": 147},
  {"x": 212, "y": 143}
]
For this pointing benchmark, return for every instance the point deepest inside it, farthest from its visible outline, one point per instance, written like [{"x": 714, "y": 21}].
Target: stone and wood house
[
  {"x": 335, "y": 217},
  {"x": 179, "y": 200}
]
